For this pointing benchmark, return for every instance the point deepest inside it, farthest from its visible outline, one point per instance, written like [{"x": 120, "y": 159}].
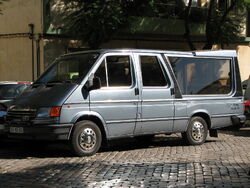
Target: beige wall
[
  {"x": 16, "y": 50},
  {"x": 17, "y": 14},
  {"x": 244, "y": 61},
  {"x": 15, "y": 59}
]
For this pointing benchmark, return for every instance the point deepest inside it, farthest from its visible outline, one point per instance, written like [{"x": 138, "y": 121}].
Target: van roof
[{"x": 216, "y": 53}]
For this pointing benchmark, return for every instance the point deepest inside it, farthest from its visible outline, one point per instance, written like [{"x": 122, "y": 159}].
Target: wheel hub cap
[
  {"x": 197, "y": 131},
  {"x": 87, "y": 139}
]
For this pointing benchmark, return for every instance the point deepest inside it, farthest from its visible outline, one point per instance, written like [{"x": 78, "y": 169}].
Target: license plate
[{"x": 18, "y": 130}]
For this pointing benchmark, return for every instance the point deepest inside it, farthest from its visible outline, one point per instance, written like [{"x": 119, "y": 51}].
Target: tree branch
[{"x": 187, "y": 26}]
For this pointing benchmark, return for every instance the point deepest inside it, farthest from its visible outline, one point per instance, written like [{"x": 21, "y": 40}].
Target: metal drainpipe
[
  {"x": 31, "y": 26},
  {"x": 38, "y": 55}
]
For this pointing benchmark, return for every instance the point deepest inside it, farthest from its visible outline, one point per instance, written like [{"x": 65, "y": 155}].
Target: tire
[
  {"x": 197, "y": 131},
  {"x": 86, "y": 138}
]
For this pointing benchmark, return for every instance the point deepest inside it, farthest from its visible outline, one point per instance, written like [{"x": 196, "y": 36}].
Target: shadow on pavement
[
  {"x": 19, "y": 149},
  {"x": 243, "y": 131},
  {"x": 99, "y": 174}
]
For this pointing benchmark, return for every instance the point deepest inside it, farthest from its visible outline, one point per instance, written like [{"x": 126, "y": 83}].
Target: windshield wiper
[
  {"x": 54, "y": 81},
  {"x": 59, "y": 81}
]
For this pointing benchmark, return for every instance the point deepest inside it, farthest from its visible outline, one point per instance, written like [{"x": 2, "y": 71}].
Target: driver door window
[{"x": 115, "y": 71}]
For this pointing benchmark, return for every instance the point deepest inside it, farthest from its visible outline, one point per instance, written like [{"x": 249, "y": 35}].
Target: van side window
[
  {"x": 152, "y": 74},
  {"x": 115, "y": 71},
  {"x": 202, "y": 76}
]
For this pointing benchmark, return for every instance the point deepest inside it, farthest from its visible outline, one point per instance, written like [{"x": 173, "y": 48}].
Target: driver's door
[{"x": 117, "y": 99}]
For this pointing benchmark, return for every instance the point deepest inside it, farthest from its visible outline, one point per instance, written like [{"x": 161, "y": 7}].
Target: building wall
[
  {"x": 15, "y": 44},
  {"x": 15, "y": 59},
  {"x": 244, "y": 61},
  {"x": 17, "y": 14}
]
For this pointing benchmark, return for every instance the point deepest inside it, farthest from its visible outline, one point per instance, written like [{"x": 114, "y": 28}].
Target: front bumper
[{"x": 39, "y": 132}]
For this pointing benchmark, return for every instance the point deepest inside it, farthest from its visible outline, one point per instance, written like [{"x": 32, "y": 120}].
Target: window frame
[
  {"x": 132, "y": 70},
  {"x": 163, "y": 69},
  {"x": 232, "y": 70}
]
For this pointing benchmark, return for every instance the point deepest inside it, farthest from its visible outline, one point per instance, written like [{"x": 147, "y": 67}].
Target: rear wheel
[
  {"x": 86, "y": 138},
  {"x": 196, "y": 133}
]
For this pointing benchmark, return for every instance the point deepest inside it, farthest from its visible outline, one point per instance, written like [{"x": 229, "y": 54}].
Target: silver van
[{"x": 92, "y": 97}]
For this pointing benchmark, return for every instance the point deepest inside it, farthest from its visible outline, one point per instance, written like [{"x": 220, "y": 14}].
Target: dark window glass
[
  {"x": 101, "y": 73},
  {"x": 118, "y": 69},
  {"x": 70, "y": 69},
  {"x": 11, "y": 91},
  {"x": 119, "y": 73},
  {"x": 152, "y": 74},
  {"x": 202, "y": 75}
]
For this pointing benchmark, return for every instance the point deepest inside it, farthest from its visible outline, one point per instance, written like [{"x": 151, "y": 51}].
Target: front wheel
[
  {"x": 86, "y": 138},
  {"x": 196, "y": 133}
]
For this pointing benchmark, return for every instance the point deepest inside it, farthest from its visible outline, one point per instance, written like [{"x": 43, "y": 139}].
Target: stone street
[{"x": 164, "y": 162}]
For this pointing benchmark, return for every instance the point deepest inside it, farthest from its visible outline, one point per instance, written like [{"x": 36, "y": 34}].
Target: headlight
[{"x": 43, "y": 112}]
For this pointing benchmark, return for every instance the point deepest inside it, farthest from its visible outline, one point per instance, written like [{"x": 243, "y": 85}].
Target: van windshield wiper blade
[
  {"x": 59, "y": 81},
  {"x": 38, "y": 83},
  {"x": 54, "y": 81}
]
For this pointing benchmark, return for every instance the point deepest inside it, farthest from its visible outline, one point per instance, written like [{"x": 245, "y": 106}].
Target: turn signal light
[
  {"x": 55, "y": 111},
  {"x": 246, "y": 103}
]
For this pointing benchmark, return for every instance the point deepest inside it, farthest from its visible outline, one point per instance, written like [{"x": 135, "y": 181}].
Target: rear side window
[
  {"x": 152, "y": 74},
  {"x": 202, "y": 76},
  {"x": 115, "y": 71}
]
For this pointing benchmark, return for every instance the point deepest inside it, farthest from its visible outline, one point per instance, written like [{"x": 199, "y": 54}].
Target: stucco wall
[
  {"x": 16, "y": 49},
  {"x": 15, "y": 59},
  {"x": 244, "y": 61},
  {"x": 17, "y": 14}
]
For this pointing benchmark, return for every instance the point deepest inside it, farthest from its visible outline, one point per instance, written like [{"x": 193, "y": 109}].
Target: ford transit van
[{"x": 91, "y": 97}]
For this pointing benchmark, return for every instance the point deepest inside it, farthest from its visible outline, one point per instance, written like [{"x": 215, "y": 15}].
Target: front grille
[{"x": 20, "y": 115}]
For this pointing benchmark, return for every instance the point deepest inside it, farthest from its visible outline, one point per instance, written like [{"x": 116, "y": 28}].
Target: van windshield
[{"x": 71, "y": 69}]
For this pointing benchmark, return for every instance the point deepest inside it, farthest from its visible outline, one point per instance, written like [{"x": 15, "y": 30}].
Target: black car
[{"x": 8, "y": 92}]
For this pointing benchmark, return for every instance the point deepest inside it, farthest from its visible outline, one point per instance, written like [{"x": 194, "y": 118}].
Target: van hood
[{"x": 45, "y": 95}]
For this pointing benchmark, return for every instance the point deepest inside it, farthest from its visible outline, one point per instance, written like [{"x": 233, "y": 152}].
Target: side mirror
[{"x": 94, "y": 83}]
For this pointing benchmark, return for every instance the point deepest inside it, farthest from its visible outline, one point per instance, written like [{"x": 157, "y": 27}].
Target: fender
[
  {"x": 200, "y": 111},
  {"x": 90, "y": 113},
  {"x": 203, "y": 111}
]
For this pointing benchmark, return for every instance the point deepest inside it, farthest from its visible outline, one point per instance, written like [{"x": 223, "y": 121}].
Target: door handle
[{"x": 136, "y": 91}]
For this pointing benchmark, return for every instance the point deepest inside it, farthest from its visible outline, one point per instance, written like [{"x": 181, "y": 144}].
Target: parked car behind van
[
  {"x": 89, "y": 98},
  {"x": 8, "y": 91},
  {"x": 246, "y": 90}
]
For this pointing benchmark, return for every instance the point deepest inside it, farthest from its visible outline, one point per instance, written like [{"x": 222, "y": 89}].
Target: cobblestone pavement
[{"x": 164, "y": 162}]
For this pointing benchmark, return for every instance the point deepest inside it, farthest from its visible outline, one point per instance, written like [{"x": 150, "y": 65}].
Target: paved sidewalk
[{"x": 165, "y": 162}]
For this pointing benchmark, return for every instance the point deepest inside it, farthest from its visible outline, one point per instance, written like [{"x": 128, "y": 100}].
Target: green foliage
[
  {"x": 98, "y": 21},
  {"x": 225, "y": 25},
  {"x": 93, "y": 21}
]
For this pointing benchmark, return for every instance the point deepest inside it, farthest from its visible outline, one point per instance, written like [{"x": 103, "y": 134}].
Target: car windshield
[
  {"x": 10, "y": 91},
  {"x": 70, "y": 69}
]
